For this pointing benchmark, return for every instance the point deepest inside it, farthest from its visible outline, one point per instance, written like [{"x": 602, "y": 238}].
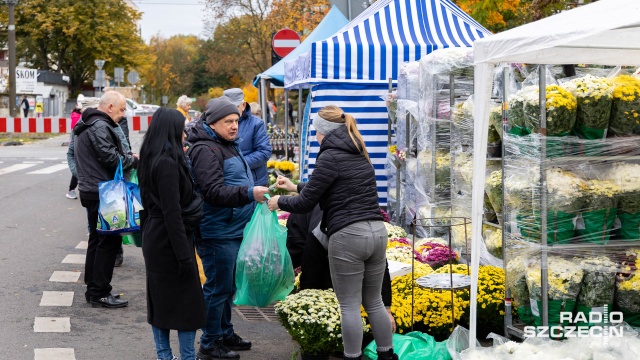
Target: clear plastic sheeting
[{"x": 409, "y": 81}]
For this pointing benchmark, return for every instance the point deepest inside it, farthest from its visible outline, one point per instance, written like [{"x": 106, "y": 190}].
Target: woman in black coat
[{"x": 174, "y": 295}]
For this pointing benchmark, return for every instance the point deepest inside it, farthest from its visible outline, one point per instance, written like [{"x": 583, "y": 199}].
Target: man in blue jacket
[
  {"x": 254, "y": 141},
  {"x": 225, "y": 181}
]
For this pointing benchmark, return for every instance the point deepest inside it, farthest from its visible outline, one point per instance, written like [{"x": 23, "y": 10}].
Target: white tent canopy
[{"x": 606, "y": 32}]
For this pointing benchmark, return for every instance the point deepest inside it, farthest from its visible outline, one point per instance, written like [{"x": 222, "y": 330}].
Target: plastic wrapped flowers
[
  {"x": 594, "y": 96},
  {"x": 625, "y": 117}
]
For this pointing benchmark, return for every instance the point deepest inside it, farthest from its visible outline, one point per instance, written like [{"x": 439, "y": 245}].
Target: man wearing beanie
[
  {"x": 224, "y": 179},
  {"x": 254, "y": 141}
]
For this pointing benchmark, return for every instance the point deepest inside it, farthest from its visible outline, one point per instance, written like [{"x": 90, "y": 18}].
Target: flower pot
[
  {"x": 494, "y": 150},
  {"x": 315, "y": 356}
]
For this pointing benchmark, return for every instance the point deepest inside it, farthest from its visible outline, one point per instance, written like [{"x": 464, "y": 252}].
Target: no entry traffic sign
[{"x": 284, "y": 41}]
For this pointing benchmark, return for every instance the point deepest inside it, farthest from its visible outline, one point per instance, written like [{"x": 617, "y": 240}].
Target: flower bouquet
[
  {"x": 561, "y": 108},
  {"x": 394, "y": 231},
  {"x": 625, "y": 113},
  {"x": 598, "y": 286},
  {"x": 594, "y": 96},
  {"x": 627, "y": 297},
  {"x": 495, "y": 121},
  {"x": 493, "y": 240},
  {"x": 600, "y": 210},
  {"x": 312, "y": 318},
  {"x": 392, "y": 106},
  {"x": 517, "y": 269},
  {"x": 493, "y": 189},
  {"x": 626, "y": 176},
  {"x": 463, "y": 169},
  {"x": 400, "y": 253},
  {"x": 516, "y": 111},
  {"x": 564, "y": 281},
  {"x": 436, "y": 255}
]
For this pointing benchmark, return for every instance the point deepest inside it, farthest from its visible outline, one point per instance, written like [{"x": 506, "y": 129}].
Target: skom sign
[{"x": 26, "y": 80}]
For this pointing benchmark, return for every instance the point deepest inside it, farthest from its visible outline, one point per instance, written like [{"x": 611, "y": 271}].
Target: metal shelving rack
[{"x": 511, "y": 328}]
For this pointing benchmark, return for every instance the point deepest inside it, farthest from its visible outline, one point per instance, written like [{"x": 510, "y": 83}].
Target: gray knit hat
[
  {"x": 236, "y": 96},
  {"x": 219, "y": 108}
]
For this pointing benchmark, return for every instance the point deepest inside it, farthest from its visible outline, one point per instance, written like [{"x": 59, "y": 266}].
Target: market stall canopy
[
  {"x": 371, "y": 47},
  {"x": 332, "y": 22},
  {"x": 606, "y": 32}
]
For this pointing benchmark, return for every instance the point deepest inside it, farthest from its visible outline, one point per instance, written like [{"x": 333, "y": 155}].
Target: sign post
[{"x": 284, "y": 41}]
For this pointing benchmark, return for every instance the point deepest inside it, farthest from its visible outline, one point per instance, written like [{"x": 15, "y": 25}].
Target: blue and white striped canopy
[{"x": 371, "y": 47}]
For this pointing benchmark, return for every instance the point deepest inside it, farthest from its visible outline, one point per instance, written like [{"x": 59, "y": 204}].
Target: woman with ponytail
[{"x": 344, "y": 184}]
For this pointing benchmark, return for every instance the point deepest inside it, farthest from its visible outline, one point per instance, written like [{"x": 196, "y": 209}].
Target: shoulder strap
[{"x": 209, "y": 144}]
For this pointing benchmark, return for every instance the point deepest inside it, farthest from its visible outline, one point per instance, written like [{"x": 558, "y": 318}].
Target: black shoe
[
  {"x": 119, "y": 260},
  {"x": 217, "y": 351},
  {"x": 387, "y": 355},
  {"x": 108, "y": 301},
  {"x": 235, "y": 342}
]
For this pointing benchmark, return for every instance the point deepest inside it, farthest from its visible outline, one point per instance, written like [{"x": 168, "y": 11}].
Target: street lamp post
[{"x": 12, "y": 57}]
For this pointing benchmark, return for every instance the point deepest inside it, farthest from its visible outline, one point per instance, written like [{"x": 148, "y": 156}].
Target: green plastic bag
[
  {"x": 560, "y": 226},
  {"x": 598, "y": 225},
  {"x": 629, "y": 226},
  {"x": 264, "y": 272},
  {"x": 413, "y": 346}
]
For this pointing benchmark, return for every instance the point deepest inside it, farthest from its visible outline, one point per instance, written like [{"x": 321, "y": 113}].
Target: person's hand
[
  {"x": 392, "y": 319},
  {"x": 273, "y": 203},
  {"x": 258, "y": 193},
  {"x": 136, "y": 156},
  {"x": 285, "y": 183}
]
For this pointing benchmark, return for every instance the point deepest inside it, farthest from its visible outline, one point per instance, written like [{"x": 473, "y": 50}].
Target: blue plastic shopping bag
[{"x": 120, "y": 205}]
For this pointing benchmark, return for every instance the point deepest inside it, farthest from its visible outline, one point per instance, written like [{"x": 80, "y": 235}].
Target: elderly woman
[
  {"x": 184, "y": 105},
  {"x": 255, "y": 109}
]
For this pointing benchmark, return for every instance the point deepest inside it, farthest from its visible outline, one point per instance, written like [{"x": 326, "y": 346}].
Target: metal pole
[
  {"x": 263, "y": 98},
  {"x": 542, "y": 71},
  {"x": 286, "y": 124},
  {"x": 349, "y": 9},
  {"x": 508, "y": 320},
  {"x": 12, "y": 58},
  {"x": 300, "y": 120}
]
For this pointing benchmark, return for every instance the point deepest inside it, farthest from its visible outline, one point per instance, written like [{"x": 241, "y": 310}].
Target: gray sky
[{"x": 171, "y": 17}]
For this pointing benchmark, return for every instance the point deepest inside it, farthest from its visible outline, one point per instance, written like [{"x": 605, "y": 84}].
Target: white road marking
[
  {"x": 82, "y": 245},
  {"x": 33, "y": 162},
  {"x": 57, "y": 298},
  {"x": 65, "y": 276},
  {"x": 52, "y": 324},
  {"x": 74, "y": 259},
  {"x": 16, "y": 167},
  {"x": 49, "y": 170},
  {"x": 54, "y": 354}
]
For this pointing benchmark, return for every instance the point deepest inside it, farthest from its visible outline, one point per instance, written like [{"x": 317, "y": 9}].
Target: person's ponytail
[{"x": 335, "y": 114}]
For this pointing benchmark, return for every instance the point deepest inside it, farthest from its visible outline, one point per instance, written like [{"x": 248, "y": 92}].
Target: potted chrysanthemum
[{"x": 312, "y": 318}]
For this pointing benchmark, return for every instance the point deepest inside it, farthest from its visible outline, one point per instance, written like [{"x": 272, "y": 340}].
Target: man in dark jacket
[
  {"x": 98, "y": 151},
  {"x": 254, "y": 141},
  {"x": 225, "y": 181}
]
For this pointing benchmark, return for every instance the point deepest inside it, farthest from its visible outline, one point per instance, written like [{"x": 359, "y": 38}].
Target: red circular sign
[{"x": 284, "y": 41}]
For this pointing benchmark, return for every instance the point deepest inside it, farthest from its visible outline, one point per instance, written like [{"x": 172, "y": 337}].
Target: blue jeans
[
  {"x": 219, "y": 263},
  {"x": 163, "y": 347}
]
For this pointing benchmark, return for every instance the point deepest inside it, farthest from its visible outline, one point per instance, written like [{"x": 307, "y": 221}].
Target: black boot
[
  {"x": 217, "y": 351},
  {"x": 387, "y": 355}
]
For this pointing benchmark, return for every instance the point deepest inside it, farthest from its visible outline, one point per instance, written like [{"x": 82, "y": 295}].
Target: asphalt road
[{"x": 39, "y": 227}]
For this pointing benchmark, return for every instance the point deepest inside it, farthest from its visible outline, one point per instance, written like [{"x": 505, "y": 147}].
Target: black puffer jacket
[
  {"x": 343, "y": 182},
  {"x": 97, "y": 151}
]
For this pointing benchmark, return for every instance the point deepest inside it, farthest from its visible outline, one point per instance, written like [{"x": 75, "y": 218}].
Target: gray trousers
[{"x": 357, "y": 258}]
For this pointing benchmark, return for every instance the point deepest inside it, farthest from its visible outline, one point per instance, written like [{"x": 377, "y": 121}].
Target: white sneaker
[{"x": 72, "y": 194}]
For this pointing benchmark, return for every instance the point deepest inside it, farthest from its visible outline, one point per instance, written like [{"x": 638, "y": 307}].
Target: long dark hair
[{"x": 164, "y": 137}]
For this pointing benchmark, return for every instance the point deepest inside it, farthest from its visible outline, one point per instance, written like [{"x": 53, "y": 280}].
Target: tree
[
  {"x": 67, "y": 36},
  {"x": 301, "y": 16},
  {"x": 173, "y": 64}
]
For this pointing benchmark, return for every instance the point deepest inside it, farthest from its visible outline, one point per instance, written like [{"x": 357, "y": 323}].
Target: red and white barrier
[{"x": 57, "y": 125}]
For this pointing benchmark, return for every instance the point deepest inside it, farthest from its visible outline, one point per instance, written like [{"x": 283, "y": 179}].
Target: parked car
[
  {"x": 149, "y": 108},
  {"x": 133, "y": 108}
]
